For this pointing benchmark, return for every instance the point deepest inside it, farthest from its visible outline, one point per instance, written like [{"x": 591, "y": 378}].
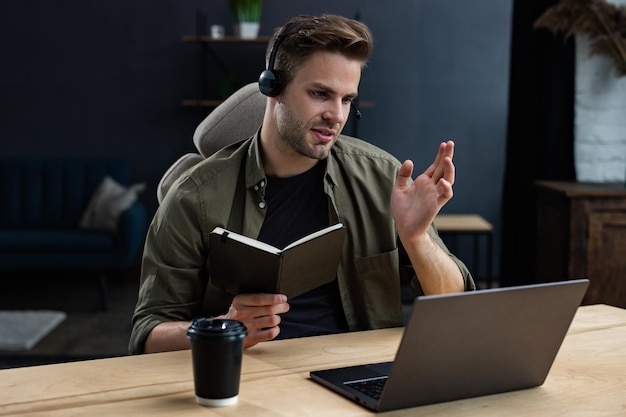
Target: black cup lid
[{"x": 219, "y": 328}]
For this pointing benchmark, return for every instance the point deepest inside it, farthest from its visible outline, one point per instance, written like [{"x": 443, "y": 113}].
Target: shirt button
[
  {"x": 262, "y": 205},
  {"x": 256, "y": 188},
  {"x": 262, "y": 184}
]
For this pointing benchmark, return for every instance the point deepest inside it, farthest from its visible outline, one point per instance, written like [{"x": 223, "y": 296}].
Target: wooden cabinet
[{"x": 581, "y": 233}]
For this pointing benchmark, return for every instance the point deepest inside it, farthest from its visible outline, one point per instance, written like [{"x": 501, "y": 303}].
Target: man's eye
[{"x": 319, "y": 94}]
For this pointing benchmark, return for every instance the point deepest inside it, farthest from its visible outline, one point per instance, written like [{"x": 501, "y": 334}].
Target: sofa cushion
[{"x": 107, "y": 203}]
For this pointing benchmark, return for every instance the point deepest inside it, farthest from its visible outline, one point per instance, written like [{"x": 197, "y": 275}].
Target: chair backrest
[{"x": 237, "y": 118}]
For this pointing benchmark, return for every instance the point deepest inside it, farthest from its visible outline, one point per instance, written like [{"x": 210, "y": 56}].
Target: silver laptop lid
[{"x": 477, "y": 343}]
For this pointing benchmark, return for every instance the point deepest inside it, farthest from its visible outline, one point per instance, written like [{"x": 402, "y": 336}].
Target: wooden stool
[{"x": 469, "y": 224}]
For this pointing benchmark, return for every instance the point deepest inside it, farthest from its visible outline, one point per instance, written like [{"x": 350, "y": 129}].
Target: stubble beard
[{"x": 293, "y": 135}]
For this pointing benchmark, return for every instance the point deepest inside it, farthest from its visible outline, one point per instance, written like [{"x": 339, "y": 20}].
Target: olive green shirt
[{"x": 227, "y": 190}]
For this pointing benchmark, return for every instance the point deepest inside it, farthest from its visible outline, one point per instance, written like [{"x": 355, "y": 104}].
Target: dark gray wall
[
  {"x": 106, "y": 78},
  {"x": 440, "y": 72}
]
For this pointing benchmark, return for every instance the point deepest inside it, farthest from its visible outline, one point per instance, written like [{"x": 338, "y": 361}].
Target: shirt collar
[{"x": 255, "y": 174}]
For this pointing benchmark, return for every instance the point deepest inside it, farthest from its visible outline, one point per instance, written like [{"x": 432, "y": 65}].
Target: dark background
[{"x": 83, "y": 78}]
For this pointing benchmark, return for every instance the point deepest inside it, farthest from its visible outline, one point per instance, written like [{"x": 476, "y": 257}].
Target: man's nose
[{"x": 336, "y": 111}]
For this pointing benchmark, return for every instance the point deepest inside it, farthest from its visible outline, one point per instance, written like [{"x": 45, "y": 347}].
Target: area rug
[{"x": 20, "y": 330}]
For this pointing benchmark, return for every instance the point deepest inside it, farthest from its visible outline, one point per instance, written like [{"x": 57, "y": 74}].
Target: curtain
[{"x": 540, "y": 133}]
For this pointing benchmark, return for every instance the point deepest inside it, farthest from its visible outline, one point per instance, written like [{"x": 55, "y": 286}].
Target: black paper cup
[{"x": 217, "y": 351}]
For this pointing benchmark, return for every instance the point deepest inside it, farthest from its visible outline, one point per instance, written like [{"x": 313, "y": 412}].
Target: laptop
[{"x": 466, "y": 345}]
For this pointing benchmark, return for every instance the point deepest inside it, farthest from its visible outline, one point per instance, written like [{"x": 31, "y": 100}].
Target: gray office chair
[{"x": 237, "y": 118}]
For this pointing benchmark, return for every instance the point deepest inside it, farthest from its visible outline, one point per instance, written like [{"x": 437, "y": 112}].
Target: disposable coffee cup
[{"x": 216, "y": 351}]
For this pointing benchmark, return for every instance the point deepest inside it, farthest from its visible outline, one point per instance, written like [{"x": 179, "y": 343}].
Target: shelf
[
  {"x": 201, "y": 103},
  {"x": 204, "y": 43},
  {"x": 365, "y": 104},
  {"x": 215, "y": 103},
  {"x": 208, "y": 51},
  {"x": 225, "y": 39}
]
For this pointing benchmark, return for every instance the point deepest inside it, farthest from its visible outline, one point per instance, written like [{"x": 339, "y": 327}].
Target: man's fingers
[
  {"x": 261, "y": 315},
  {"x": 261, "y": 336},
  {"x": 449, "y": 171},
  {"x": 258, "y": 300},
  {"x": 443, "y": 160},
  {"x": 404, "y": 174},
  {"x": 445, "y": 191},
  {"x": 245, "y": 307}
]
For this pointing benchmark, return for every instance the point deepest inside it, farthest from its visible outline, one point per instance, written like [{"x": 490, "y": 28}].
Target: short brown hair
[{"x": 309, "y": 34}]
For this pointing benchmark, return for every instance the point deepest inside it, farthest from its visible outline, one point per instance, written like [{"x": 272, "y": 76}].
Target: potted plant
[
  {"x": 247, "y": 16},
  {"x": 604, "y": 24},
  {"x": 600, "y": 30}
]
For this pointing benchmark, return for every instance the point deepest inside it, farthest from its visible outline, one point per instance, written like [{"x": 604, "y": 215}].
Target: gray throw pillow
[{"x": 107, "y": 204}]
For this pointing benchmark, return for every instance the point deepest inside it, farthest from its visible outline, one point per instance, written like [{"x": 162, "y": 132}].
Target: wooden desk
[
  {"x": 588, "y": 379},
  {"x": 476, "y": 226}
]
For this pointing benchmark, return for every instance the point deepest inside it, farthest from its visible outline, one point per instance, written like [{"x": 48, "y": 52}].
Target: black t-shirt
[{"x": 296, "y": 207}]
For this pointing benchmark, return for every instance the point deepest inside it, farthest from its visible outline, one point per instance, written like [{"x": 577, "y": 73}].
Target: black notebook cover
[{"x": 240, "y": 264}]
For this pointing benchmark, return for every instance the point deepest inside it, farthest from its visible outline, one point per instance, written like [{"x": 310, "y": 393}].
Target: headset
[{"x": 270, "y": 80}]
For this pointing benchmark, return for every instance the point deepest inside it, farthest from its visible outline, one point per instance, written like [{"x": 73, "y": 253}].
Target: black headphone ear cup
[{"x": 270, "y": 83}]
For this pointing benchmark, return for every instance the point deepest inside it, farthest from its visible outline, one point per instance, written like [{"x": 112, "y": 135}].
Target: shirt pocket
[{"x": 380, "y": 283}]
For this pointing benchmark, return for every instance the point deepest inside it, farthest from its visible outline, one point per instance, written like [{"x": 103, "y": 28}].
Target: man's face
[{"x": 313, "y": 109}]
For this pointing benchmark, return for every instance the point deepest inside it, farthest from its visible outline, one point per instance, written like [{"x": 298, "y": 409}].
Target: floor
[{"x": 88, "y": 331}]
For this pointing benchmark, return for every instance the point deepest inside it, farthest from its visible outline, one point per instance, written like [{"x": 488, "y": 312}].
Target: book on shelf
[{"x": 240, "y": 264}]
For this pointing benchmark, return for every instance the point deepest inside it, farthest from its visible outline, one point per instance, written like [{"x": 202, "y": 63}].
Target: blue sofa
[{"x": 43, "y": 201}]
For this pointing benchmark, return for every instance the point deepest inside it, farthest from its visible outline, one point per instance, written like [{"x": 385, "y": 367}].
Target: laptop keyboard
[{"x": 371, "y": 387}]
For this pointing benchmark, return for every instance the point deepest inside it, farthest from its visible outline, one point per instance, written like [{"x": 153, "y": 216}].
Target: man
[{"x": 296, "y": 176}]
